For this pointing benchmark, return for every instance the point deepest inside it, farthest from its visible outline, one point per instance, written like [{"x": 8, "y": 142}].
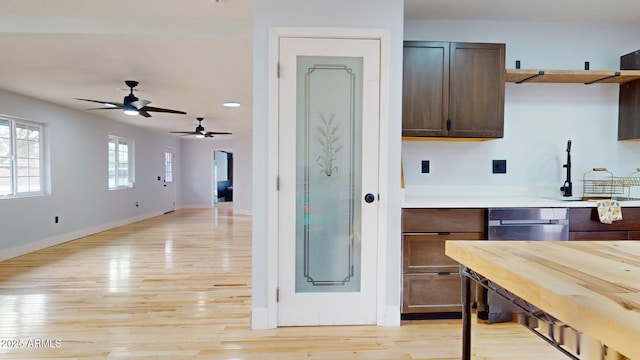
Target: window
[
  {"x": 21, "y": 160},
  {"x": 168, "y": 166},
  {"x": 120, "y": 167}
]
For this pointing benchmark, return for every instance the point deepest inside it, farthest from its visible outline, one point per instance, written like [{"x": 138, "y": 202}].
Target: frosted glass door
[
  {"x": 327, "y": 162},
  {"x": 328, "y": 177}
]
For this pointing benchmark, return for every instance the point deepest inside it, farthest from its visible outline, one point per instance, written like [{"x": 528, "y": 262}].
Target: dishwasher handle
[{"x": 528, "y": 222}]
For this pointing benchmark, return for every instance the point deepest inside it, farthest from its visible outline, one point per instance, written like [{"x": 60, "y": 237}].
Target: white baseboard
[
  {"x": 259, "y": 319},
  {"x": 59, "y": 239},
  {"x": 241, "y": 212},
  {"x": 195, "y": 206},
  {"x": 391, "y": 316}
]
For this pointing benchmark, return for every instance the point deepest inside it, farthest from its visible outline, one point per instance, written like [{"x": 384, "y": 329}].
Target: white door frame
[{"x": 382, "y": 313}]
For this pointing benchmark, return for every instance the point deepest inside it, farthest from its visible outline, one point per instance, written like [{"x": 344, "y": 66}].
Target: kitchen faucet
[{"x": 567, "y": 187}]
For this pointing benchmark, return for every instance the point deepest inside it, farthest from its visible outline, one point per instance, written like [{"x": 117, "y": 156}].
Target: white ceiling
[
  {"x": 188, "y": 55},
  {"x": 191, "y": 55}
]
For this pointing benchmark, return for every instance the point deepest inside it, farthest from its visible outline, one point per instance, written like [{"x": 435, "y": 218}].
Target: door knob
[{"x": 369, "y": 198}]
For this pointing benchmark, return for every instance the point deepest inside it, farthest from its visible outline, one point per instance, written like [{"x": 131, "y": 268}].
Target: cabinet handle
[
  {"x": 444, "y": 273},
  {"x": 448, "y": 124}
]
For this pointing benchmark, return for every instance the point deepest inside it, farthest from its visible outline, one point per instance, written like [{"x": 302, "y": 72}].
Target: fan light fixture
[
  {"x": 131, "y": 105},
  {"x": 200, "y": 136},
  {"x": 231, "y": 104}
]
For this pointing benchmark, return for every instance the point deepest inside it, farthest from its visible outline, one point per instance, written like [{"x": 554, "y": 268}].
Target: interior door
[
  {"x": 328, "y": 181},
  {"x": 168, "y": 186}
]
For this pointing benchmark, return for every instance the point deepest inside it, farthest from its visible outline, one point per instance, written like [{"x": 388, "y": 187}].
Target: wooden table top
[{"x": 592, "y": 286}]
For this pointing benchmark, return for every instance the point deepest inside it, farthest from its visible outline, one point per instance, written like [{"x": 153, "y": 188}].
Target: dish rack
[{"x": 599, "y": 183}]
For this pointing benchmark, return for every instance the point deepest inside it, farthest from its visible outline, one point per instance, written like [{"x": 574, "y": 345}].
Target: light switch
[
  {"x": 499, "y": 166},
  {"x": 425, "y": 166}
]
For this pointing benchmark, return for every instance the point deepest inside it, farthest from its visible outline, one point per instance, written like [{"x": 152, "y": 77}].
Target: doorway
[
  {"x": 222, "y": 176},
  {"x": 168, "y": 181}
]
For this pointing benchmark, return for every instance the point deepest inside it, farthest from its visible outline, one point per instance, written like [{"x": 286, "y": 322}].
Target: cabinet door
[
  {"x": 425, "y": 88},
  {"x": 629, "y": 106},
  {"x": 431, "y": 292},
  {"x": 476, "y": 102}
]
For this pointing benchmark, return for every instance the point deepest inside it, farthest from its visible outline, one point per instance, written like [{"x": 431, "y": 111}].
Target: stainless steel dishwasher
[{"x": 537, "y": 224}]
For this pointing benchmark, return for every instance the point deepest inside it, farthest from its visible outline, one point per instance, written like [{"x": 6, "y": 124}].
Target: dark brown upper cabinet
[
  {"x": 453, "y": 89},
  {"x": 629, "y": 106}
]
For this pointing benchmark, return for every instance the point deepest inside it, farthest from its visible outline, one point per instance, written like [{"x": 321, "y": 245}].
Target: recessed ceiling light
[{"x": 231, "y": 104}]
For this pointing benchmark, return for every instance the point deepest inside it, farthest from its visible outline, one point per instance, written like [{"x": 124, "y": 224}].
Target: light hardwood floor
[{"x": 178, "y": 286}]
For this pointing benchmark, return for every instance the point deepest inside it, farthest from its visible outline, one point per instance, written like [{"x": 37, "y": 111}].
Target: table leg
[{"x": 466, "y": 314}]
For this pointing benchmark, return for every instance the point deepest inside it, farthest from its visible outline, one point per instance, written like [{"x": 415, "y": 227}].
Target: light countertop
[{"x": 492, "y": 199}]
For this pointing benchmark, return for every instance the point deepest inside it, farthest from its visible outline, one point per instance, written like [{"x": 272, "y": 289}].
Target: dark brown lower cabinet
[
  {"x": 431, "y": 280},
  {"x": 599, "y": 235},
  {"x": 584, "y": 224}
]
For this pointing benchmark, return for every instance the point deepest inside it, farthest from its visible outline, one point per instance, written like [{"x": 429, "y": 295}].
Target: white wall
[
  {"x": 77, "y": 145},
  {"x": 539, "y": 118},
  {"x": 379, "y": 14}
]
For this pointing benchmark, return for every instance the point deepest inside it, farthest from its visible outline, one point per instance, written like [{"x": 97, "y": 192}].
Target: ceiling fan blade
[
  {"x": 157, "y": 109},
  {"x": 144, "y": 113},
  {"x": 139, "y": 104},
  {"x": 110, "y": 104},
  {"x": 183, "y": 132},
  {"x": 218, "y": 133}
]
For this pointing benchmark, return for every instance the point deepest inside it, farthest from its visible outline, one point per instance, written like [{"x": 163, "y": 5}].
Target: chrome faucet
[{"x": 567, "y": 187}]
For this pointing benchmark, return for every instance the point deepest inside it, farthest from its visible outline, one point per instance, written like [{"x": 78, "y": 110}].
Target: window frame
[
  {"x": 169, "y": 166},
  {"x": 14, "y": 158},
  {"x": 129, "y": 180}
]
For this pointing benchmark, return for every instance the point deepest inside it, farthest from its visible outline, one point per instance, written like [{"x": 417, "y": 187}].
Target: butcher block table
[{"x": 591, "y": 286}]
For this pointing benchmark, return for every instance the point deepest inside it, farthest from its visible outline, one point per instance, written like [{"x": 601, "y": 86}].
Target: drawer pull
[{"x": 444, "y": 273}]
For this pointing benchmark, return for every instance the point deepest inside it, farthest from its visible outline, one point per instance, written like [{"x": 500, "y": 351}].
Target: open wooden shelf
[{"x": 572, "y": 76}]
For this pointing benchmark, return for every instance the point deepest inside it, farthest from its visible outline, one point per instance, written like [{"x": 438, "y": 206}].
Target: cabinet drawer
[
  {"x": 598, "y": 235},
  {"x": 586, "y": 219},
  {"x": 425, "y": 252},
  {"x": 444, "y": 220},
  {"x": 431, "y": 293},
  {"x": 634, "y": 235}
]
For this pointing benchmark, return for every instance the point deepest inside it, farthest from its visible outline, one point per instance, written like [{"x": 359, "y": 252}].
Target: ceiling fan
[
  {"x": 132, "y": 105},
  {"x": 199, "y": 132}
]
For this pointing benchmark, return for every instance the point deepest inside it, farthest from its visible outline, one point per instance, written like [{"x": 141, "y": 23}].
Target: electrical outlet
[
  {"x": 499, "y": 166},
  {"x": 425, "y": 166}
]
